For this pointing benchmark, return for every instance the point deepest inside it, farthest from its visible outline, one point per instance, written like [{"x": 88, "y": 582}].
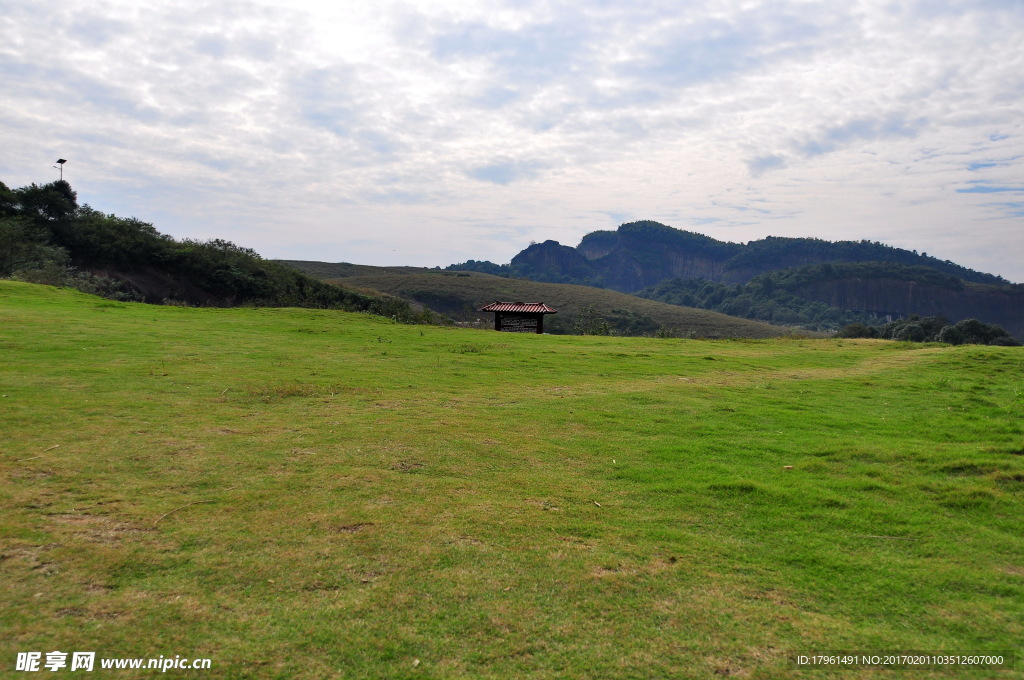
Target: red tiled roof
[{"x": 531, "y": 307}]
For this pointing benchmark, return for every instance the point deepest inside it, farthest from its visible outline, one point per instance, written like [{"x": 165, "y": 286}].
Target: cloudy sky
[{"x": 428, "y": 133}]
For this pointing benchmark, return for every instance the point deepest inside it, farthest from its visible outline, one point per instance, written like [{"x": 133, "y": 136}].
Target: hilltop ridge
[{"x": 644, "y": 253}]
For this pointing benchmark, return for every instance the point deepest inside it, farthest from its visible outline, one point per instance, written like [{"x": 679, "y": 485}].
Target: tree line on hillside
[
  {"x": 768, "y": 298},
  {"x": 915, "y": 328},
  {"x": 47, "y": 237},
  {"x": 777, "y": 252},
  {"x": 793, "y": 278},
  {"x": 763, "y": 299}
]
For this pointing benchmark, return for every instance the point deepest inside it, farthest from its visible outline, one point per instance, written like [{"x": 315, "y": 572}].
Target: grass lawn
[{"x": 314, "y": 494}]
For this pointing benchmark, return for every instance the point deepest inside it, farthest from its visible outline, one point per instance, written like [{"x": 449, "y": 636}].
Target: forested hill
[{"x": 47, "y": 237}]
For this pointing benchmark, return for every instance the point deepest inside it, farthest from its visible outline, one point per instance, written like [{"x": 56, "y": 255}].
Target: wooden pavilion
[{"x": 518, "y": 317}]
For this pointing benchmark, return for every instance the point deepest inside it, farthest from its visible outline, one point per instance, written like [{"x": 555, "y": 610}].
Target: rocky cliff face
[
  {"x": 623, "y": 271},
  {"x": 642, "y": 254},
  {"x": 902, "y": 298},
  {"x": 553, "y": 262},
  {"x": 598, "y": 244}
]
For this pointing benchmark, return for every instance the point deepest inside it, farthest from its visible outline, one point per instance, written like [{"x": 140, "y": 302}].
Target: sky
[{"x": 429, "y": 133}]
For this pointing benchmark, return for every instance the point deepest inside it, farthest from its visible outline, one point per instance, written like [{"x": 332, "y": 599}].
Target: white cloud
[{"x": 429, "y": 133}]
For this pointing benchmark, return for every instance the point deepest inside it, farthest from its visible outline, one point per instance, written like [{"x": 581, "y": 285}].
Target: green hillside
[
  {"x": 47, "y": 237},
  {"x": 307, "y": 494},
  {"x": 337, "y": 270},
  {"x": 460, "y": 294}
]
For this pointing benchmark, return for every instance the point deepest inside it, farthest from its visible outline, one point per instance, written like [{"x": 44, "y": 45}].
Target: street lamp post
[{"x": 61, "y": 162}]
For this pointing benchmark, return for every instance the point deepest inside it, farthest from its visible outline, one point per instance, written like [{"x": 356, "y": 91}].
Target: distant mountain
[
  {"x": 642, "y": 254},
  {"x": 811, "y": 282}
]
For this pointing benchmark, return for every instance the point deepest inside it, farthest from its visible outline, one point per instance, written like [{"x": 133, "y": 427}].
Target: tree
[
  {"x": 974, "y": 332},
  {"x": 911, "y": 332},
  {"x": 52, "y": 201},
  {"x": 857, "y": 330},
  {"x": 589, "y": 323},
  {"x": 8, "y": 202},
  {"x": 23, "y": 245}
]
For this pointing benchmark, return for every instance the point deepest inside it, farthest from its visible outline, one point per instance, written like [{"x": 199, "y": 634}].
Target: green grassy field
[{"x": 315, "y": 494}]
